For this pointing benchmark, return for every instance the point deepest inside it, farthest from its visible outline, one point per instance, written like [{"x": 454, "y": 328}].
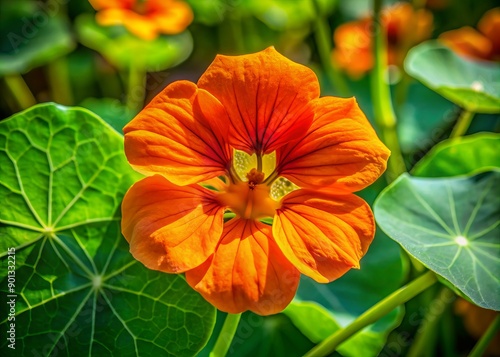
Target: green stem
[
  {"x": 136, "y": 88},
  {"x": 485, "y": 340},
  {"x": 448, "y": 333},
  {"x": 322, "y": 36},
  {"x": 20, "y": 91},
  {"x": 428, "y": 331},
  {"x": 373, "y": 314},
  {"x": 462, "y": 124},
  {"x": 382, "y": 104},
  {"x": 401, "y": 90},
  {"x": 226, "y": 335},
  {"x": 236, "y": 29},
  {"x": 58, "y": 75}
]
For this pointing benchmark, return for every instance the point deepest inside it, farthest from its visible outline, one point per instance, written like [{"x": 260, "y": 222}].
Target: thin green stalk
[
  {"x": 485, "y": 340},
  {"x": 58, "y": 75},
  {"x": 226, "y": 335},
  {"x": 110, "y": 84},
  {"x": 462, "y": 124},
  {"x": 20, "y": 91},
  {"x": 401, "y": 90},
  {"x": 236, "y": 29},
  {"x": 373, "y": 314},
  {"x": 448, "y": 333},
  {"x": 382, "y": 104},
  {"x": 428, "y": 330},
  {"x": 136, "y": 88},
  {"x": 322, "y": 36}
]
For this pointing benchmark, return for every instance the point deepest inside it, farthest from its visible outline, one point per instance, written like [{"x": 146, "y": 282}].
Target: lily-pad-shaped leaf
[
  {"x": 125, "y": 50},
  {"x": 473, "y": 85},
  {"x": 31, "y": 37},
  {"x": 452, "y": 226},
  {"x": 77, "y": 289},
  {"x": 461, "y": 156}
]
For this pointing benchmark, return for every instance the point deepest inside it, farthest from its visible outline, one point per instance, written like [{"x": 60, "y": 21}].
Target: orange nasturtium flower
[
  {"x": 483, "y": 44},
  {"x": 185, "y": 141},
  {"x": 404, "y": 28},
  {"x": 144, "y": 18}
]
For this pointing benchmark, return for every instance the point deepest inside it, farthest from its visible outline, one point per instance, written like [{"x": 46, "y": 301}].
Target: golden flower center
[
  {"x": 250, "y": 199},
  {"x": 139, "y": 7},
  {"x": 255, "y": 177}
]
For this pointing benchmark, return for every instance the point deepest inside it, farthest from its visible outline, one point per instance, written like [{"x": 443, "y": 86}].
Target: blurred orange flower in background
[
  {"x": 404, "y": 28},
  {"x": 144, "y": 18},
  {"x": 483, "y": 44},
  {"x": 185, "y": 141}
]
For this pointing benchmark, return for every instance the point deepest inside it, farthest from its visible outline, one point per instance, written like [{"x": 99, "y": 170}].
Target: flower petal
[
  {"x": 467, "y": 41},
  {"x": 323, "y": 234},
  {"x": 180, "y": 135},
  {"x": 171, "y": 228},
  {"x": 171, "y": 17},
  {"x": 112, "y": 4},
  {"x": 489, "y": 25},
  {"x": 353, "y": 47},
  {"x": 247, "y": 271},
  {"x": 265, "y": 95},
  {"x": 340, "y": 148},
  {"x": 137, "y": 24}
]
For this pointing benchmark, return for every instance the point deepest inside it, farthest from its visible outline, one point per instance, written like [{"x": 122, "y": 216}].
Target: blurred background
[{"x": 114, "y": 56}]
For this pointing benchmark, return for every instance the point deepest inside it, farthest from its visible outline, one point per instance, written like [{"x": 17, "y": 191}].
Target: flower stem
[
  {"x": 20, "y": 91},
  {"x": 373, "y": 314},
  {"x": 448, "y": 335},
  {"x": 485, "y": 340},
  {"x": 58, "y": 75},
  {"x": 322, "y": 35},
  {"x": 382, "y": 104},
  {"x": 226, "y": 335},
  {"x": 136, "y": 88},
  {"x": 462, "y": 124}
]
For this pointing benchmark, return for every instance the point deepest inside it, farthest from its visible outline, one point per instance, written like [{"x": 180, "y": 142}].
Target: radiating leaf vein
[
  {"x": 70, "y": 321},
  {"x": 74, "y": 257},
  {"x": 23, "y": 192},
  {"x": 134, "y": 338},
  {"x": 477, "y": 207},
  {"x": 431, "y": 211},
  {"x": 451, "y": 202}
]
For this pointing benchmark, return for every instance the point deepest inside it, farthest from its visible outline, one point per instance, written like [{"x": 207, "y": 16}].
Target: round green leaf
[
  {"x": 452, "y": 226},
  {"x": 125, "y": 50},
  {"x": 78, "y": 291},
  {"x": 31, "y": 37},
  {"x": 473, "y": 85},
  {"x": 461, "y": 156}
]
